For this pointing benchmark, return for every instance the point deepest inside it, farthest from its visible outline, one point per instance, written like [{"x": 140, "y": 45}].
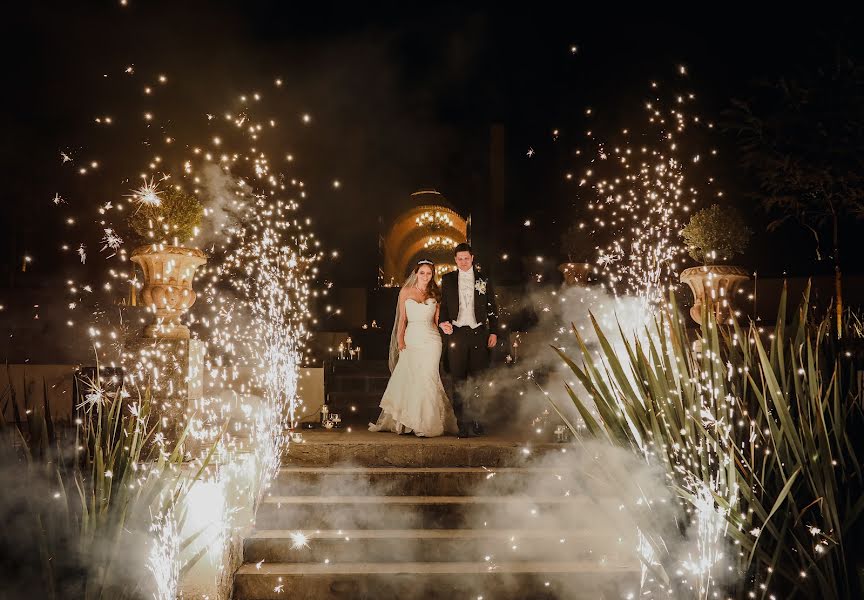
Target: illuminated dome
[{"x": 430, "y": 229}]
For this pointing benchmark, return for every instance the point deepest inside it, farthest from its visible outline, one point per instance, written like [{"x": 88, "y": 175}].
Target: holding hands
[{"x": 447, "y": 328}]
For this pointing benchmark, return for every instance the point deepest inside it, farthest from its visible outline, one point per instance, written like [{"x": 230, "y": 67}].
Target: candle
[{"x": 561, "y": 434}]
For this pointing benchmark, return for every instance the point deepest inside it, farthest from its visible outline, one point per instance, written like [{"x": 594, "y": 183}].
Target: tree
[
  {"x": 171, "y": 214},
  {"x": 716, "y": 232},
  {"x": 802, "y": 136}
]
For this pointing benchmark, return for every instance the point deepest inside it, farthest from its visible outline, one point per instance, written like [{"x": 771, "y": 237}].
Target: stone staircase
[
  {"x": 379, "y": 516},
  {"x": 353, "y": 388}
]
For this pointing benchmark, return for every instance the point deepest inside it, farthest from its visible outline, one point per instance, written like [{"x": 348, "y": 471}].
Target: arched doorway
[{"x": 430, "y": 229}]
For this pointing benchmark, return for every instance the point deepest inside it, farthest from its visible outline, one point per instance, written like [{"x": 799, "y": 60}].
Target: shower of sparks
[
  {"x": 299, "y": 540},
  {"x": 268, "y": 263},
  {"x": 642, "y": 185},
  {"x": 710, "y": 529},
  {"x": 111, "y": 240},
  {"x": 162, "y": 561},
  {"x": 252, "y": 312},
  {"x": 699, "y": 469},
  {"x": 147, "y": 194},
  {"x": 640, "y": 199},
  {"x": 95, "y": 396}
]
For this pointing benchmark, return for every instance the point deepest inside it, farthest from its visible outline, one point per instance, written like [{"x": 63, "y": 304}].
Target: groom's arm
[
  {"x": 444, "y": 310},
  {"x": 444, "y": 314}
]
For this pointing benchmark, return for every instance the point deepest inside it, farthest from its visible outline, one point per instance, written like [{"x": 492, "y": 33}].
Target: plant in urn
[
  {"x": 168, "y": 267},
  {"x": 714, "y": 233}
]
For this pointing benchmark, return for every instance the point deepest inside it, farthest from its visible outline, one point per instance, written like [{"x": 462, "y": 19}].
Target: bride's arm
[
  {"x": 403, "y": 320},
  {"x": 437, "y": 312}
]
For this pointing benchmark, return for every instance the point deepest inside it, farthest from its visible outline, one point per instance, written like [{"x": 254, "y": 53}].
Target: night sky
[{"x": 402, "y": 99}]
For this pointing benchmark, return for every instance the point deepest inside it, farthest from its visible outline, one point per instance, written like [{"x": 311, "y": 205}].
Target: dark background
[{"x": 402, "y": 97}]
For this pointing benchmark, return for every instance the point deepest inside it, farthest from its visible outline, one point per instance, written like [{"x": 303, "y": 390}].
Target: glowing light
[
  {"x": 299, "y": 540},
  {"x": 640, "y": 195},
  {"x": 147, "y": 194}
]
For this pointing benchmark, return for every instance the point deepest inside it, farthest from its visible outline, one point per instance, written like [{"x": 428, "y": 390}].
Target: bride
[{"x": 415, "y": 399}]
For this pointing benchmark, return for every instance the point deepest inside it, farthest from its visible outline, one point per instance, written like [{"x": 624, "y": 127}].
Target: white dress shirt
[{"x": 466, "y": 314}]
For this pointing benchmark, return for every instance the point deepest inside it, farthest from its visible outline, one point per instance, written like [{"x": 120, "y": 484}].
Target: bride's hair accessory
[{"x": 424, "y": 262}]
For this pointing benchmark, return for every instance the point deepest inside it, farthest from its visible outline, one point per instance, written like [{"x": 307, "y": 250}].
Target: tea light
[{"x": 561, "y": 434}]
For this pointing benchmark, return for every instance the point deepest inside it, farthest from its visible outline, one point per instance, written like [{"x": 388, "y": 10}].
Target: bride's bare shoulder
[{"x": 408, "y": 294}]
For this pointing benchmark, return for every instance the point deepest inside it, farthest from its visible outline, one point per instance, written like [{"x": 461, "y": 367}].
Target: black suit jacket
[{"x": 485, "y": 306}]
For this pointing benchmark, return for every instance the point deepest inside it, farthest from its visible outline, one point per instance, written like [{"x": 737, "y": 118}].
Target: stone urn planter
[
  {"x": 575, "y": 273},
  {"x": 716, "y": 285},
  {"x": 168, "y": 274}
]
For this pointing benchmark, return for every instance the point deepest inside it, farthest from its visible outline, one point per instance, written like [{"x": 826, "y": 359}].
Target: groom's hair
[{"x": 463, "y": 247}]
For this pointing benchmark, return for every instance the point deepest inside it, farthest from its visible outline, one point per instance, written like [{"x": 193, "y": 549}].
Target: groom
[{"x": 469, "y": 316}]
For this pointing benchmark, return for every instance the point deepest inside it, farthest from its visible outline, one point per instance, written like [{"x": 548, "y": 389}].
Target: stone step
[
  {"x": 429, "y": 545},
  {"x": 417, "y": 512},
  {"x": 365, "y": 449},
  {"x": 422, "y": 481},
  {"x": 338, "y": 367},
  {"x": 573, "y": 580},
  {"x": 356, "y": 408},
  {"x": 360, "y": 398},
  {"x": 368, "y": 383}
]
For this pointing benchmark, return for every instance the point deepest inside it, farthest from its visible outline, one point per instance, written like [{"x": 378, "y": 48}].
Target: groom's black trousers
[{"x": 468, "y": 356}]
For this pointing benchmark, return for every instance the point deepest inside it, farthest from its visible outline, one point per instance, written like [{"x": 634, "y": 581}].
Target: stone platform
[{"x": 361, "y": 515}]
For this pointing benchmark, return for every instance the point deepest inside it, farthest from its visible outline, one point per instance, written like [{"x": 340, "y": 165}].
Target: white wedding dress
[{"x": 415, "y": 399}]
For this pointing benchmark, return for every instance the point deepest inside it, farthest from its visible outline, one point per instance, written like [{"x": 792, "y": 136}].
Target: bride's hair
[{"x": 432, "y": 290}]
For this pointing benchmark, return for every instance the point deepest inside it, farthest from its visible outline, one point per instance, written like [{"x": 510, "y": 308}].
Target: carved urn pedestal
[
  {"x": 168, "y": 274},
  {"x": 163, "y": 359},
  {"x": 715, "y": 285}
]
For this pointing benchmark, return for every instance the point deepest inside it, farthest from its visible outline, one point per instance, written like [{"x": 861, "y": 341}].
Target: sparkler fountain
[
  {"x": 639, "y": 196},
  {"x": 250, "y": 319}
]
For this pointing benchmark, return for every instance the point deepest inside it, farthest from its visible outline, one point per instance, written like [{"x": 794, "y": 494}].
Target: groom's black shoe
[
  {"x": 464, "y": 431},
  {"x": 477, "y": 428}
]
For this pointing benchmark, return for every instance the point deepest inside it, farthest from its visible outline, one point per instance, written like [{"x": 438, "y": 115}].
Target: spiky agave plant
[
  {"x": 130, "y": 479},
  {"x": 760, "y": 435},
  {"x": 102, "y": 494}
]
